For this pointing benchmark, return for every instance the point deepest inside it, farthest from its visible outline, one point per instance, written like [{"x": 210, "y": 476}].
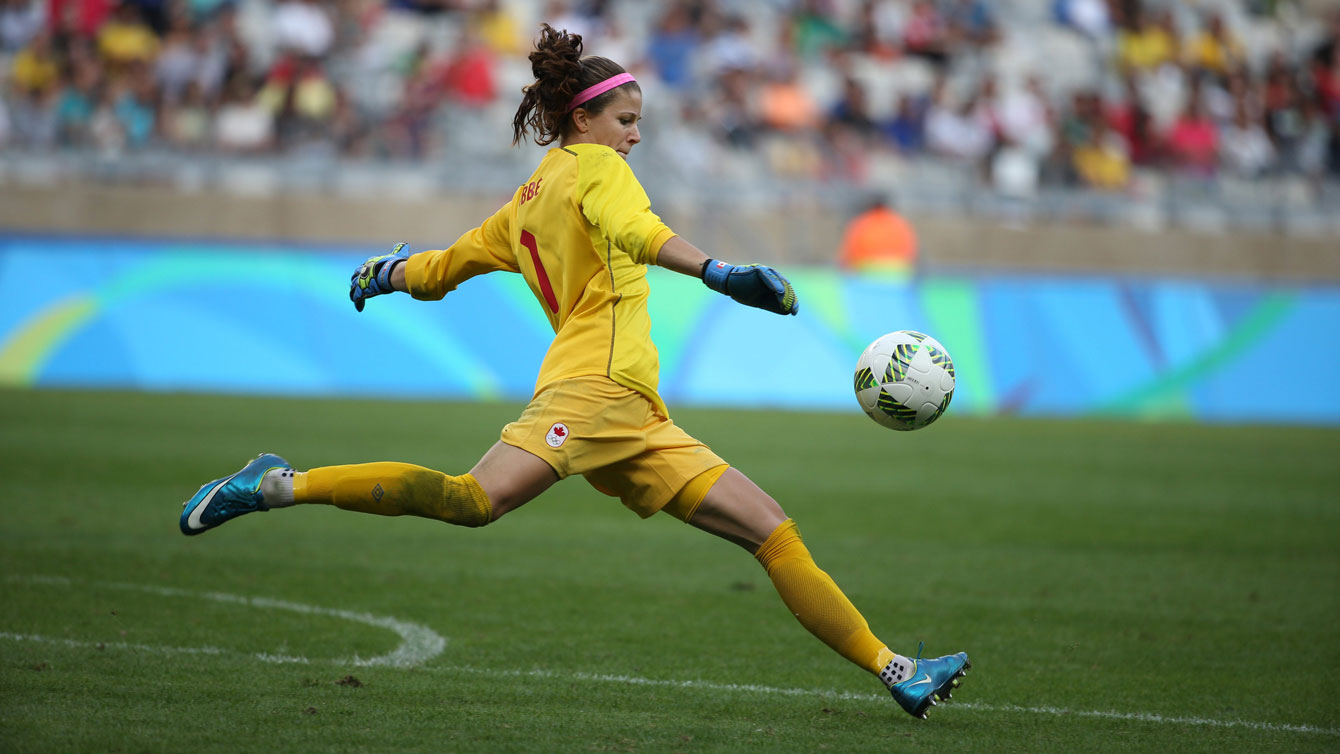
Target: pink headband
[{"x": 591, "y": 92}]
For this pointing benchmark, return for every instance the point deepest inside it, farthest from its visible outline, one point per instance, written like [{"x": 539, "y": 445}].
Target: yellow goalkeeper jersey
[{"x": 581, "y": 231}]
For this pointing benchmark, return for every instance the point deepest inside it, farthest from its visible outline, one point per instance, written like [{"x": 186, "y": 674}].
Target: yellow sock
[
  {"x": 396, "y": 489},
  {"x": 816, "y": 600}
]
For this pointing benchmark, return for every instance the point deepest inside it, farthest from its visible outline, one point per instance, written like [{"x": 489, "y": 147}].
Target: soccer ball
[{"x": 904, "y": 380}]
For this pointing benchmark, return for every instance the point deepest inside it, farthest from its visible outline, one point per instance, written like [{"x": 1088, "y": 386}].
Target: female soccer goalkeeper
[{"x": 581, "y": 230}]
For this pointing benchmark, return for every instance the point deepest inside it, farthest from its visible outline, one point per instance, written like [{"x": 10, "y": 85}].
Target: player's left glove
[
  {"x": 373, "y": 277},
  {"x": 754, "y": 285}
]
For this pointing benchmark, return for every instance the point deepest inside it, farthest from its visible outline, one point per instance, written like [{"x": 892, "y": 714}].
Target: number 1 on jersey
[{"x": 528, "y": 240}]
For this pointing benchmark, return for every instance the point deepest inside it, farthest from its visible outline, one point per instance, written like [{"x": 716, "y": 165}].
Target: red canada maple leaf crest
[{"x": 560, "y": 431}]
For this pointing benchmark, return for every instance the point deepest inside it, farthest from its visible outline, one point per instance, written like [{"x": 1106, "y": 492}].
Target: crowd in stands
[{"x": 817, "y": 89}]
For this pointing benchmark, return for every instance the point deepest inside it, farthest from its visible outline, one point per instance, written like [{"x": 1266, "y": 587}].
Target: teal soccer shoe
[
  {"x": 229, "y": 497},
  {"x": 928, "y": 681}
]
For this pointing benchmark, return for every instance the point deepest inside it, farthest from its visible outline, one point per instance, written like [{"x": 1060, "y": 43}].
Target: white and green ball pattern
[{"x": 905, "y": 380}]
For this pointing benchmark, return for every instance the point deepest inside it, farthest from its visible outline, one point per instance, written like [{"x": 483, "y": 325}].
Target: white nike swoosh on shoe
[
  {"x": 924, "y": 679},
  {"x": 193, "y": 520}
]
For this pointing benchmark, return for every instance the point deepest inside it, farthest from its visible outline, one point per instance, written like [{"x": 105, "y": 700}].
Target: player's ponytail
[{"x": 561, "y": 73}]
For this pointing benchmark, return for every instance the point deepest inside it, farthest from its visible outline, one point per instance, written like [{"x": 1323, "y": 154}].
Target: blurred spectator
[
  {"x": 136, "y": 107},
  {"x": 1317, "y": 138},
  {"x": 907, "y": 128},
  {"x": 972, "y": 22},
  {"x": 126, "y": 39},
  {"x": 1193, "y": 142},
  {"x": 313, "y": 98},
  {"x": 467, "y": 76},
  {"x": 154, "y": 13},
  {"x": 300, "y": 96},
  {"x": 844, "y": 154},
  {"x": 1149, "y": 42},
  {"x": 349, "y": 132},
  {"x": 498, "y": 29},
  {"x": 1088, "y": 17},
  {"x": 959, "y": 131},
  {"x": 1079, "y": 119},
  {"x": 876, "y": 31},
  {"x": 20, "y": 21},
  {"x": 925, "y": 33},
  {"x": 1100, "y": 160},
  {"x": 409, "y": 129},
  {"x": 729, "y": 112},
  {"x": 178, "y": 60},
  {"x": 585, "y": 21},
  {"x": 672, "y": 46},
  {"x": 222, "y": 53},
  {"x": 186, "y": 120},
  {"x": 1326, "y": 78},
  {"x": 784, "y": 104},
  {"x": 35, "y": 68},
  {"x": 303, "y": 26},
  {"x": 1214, "y": 49},
  {"x": 1132, "y": 121},
  {"x": 878, "y": 240},
  {"x": 204, "y": 10},
  {"x": 1224, "y": 94},
  {"x": 1025, "y": 119},
  {"x": 78, "y": 18},
  {"x": 730, "y": 49},
  {"x": 106, "y": 134},
  {"x": 813, "y": 88},
  {"x": 1283, "y": 100},
  {"x": 33, "y": 118},
  {"x": 1245, "y": 149},
  {"x": 1015, "y": 171},
  {"x": 4, "y": 123},
  {"x": 1324, "y": 53},
  {"x": 814, "y": 32},
  {"x": 74, "y": 106},
  {"x": 852, "y": 112},
  {"x": 244, "y": 125}
]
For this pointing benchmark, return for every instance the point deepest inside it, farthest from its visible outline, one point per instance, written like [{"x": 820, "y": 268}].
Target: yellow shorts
[{"x": 614, "y": 437}]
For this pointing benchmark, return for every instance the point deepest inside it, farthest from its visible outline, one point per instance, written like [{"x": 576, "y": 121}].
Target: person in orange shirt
[{"x": 879, "y": 240}]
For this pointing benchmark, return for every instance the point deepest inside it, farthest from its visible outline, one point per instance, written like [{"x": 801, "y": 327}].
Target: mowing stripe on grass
[
  {"x": 418, "y": 644},
  {"x": 100, "y": 645},
  {"x": 154, "y": 649},
  {"x": 739, "y": 688}
]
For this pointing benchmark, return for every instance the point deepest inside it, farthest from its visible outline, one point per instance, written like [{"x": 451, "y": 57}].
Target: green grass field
[{"x": 1119, "y": 586}]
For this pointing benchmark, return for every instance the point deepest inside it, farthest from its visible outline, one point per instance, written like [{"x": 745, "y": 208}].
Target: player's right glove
[
  {"x": 754, "y": 285},
  {"x": 373, "y": 277}
]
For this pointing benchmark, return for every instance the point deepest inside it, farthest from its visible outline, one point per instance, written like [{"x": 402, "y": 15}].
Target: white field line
[
  {"x": 419, "y": 643},
  {"x": 1145, "y": 717}
]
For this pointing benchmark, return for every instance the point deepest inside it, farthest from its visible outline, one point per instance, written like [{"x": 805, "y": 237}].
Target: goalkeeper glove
[
  {"x": 373, "y": 277},
  {"x": 754, "y": 285}
]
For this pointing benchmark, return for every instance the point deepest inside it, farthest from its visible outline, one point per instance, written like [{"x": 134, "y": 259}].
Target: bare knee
[
  {"x": 511, "y": 477},
  {"x": 738, "y": 510}
]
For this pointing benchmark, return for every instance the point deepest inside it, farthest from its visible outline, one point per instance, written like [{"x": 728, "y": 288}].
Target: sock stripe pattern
[
  {"x": 815, "y": 599},
  {"x": 399, "y": 489}
]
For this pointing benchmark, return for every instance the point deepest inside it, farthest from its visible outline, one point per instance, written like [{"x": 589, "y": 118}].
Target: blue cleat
[
  {"x": 929, "y": 680},
  {"x": 229, "y": 497}
]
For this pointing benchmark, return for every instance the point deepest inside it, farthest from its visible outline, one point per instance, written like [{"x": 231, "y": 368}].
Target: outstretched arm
[
  {"x": 379, "y": 275},
  {"x": 681, "y": 256},
  {"x": 751, "y": 284}
]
